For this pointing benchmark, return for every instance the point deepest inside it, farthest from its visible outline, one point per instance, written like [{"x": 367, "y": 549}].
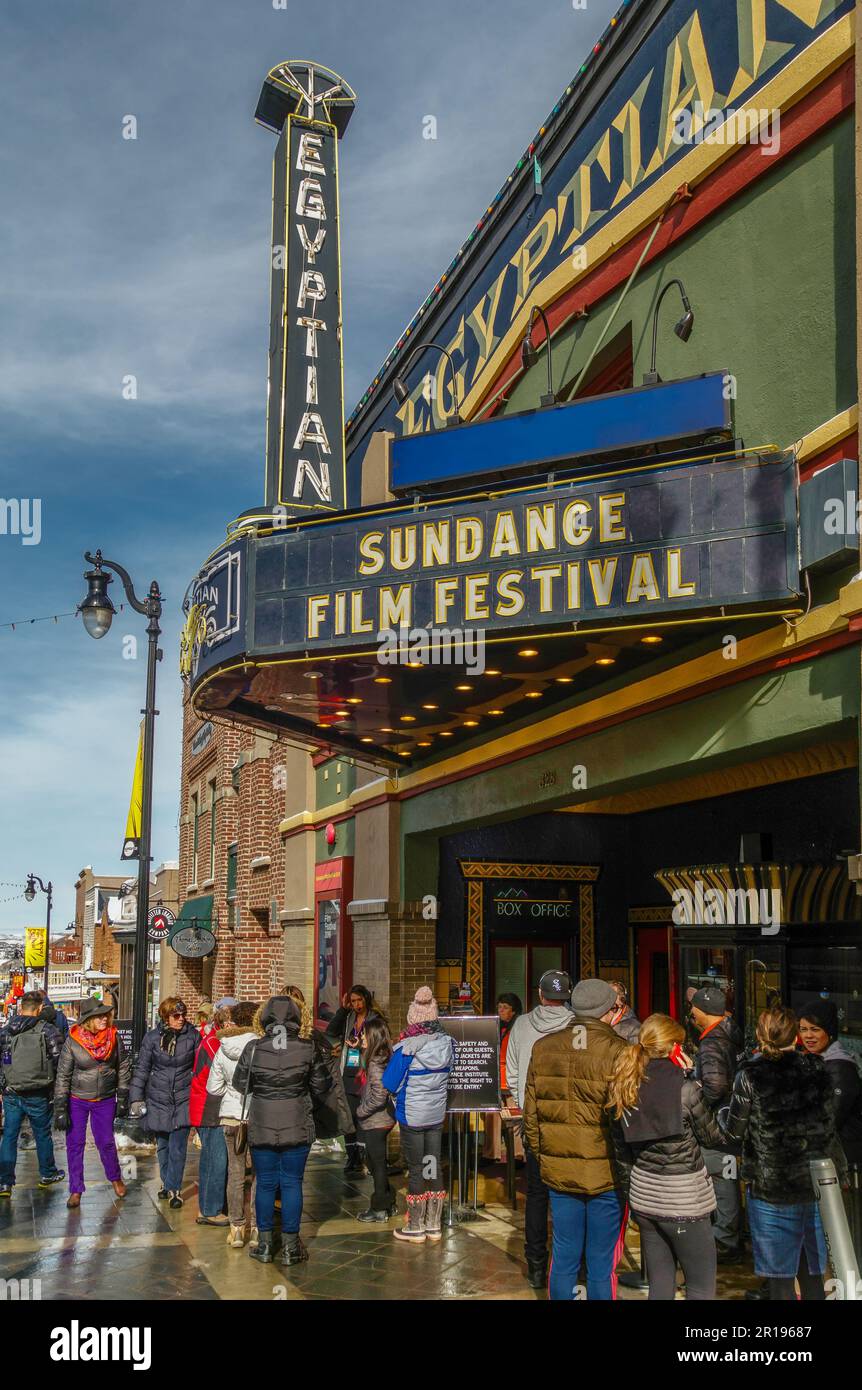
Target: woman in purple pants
[{"x": 93, "y": 1076}]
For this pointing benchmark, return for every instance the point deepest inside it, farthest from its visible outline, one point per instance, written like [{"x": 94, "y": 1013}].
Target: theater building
[{"x": 561, "y": 668}]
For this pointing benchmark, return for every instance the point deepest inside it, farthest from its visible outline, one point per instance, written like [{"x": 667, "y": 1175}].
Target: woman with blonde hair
[
  {"x": 661, "y": 1119},
  {"x": 281, "y": 1074},
  {"x": 781, "y": 1114}
]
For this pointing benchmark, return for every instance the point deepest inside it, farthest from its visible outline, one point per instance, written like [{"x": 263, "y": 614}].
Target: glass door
[{"x": 518, "y": 966}]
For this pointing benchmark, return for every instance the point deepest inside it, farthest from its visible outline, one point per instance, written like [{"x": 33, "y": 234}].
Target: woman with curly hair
[{"x": 283, "y": 1074}]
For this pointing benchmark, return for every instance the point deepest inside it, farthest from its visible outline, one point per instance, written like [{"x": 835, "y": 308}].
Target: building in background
[
  {"x": 105, "y": 917},
  {"x": 660, "y": 545}
]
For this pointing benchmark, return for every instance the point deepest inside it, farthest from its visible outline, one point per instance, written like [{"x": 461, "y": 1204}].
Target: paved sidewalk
[{"x": 138, "y": 1248}]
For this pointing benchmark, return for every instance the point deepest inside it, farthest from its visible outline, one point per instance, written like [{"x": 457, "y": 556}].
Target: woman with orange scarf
[{"x": 93, "y": 1076}]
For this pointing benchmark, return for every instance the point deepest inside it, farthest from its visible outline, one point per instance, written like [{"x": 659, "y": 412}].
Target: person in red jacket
[{"x": 204, "y": 1116}]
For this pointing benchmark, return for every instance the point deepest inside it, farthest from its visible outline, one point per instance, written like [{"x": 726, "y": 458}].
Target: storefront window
[
  {"x": 830, "y": 972},
  {"x": 329, "y": 985},
  {"x": 707, "y": 965}
]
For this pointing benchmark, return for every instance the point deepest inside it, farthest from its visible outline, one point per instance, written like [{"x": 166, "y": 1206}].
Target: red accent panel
[{"x": 847, "y": 448}]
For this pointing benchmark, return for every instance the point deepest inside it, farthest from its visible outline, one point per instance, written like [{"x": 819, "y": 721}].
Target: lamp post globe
[
  {"x": 97, "y": 610},
  {"x": 30, "y": 890}
]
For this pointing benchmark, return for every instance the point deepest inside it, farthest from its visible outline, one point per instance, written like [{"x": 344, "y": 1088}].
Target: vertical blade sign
[{"x": 305, "y": 421}]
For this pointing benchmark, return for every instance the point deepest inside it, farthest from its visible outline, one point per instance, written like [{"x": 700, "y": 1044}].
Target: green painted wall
[{"x": 771, "y": 278}]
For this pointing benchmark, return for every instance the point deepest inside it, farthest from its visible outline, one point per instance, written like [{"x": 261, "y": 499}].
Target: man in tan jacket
[{"x": 568, "y": 1130}]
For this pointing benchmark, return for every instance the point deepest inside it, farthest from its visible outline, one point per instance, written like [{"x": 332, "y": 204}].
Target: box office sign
[
  {"x": 715, "y": 535},
  {"x": 531, "y": 905}
]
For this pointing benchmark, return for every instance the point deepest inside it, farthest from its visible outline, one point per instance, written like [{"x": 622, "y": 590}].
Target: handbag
[{"x": 240, "y": 1133}]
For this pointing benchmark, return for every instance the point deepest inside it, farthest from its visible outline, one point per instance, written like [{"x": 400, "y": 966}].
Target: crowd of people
[
  {"x": 258, "y": 1085},
  {"x": 618, "y": 1122}
]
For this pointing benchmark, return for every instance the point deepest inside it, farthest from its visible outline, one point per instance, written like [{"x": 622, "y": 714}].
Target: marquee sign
[
  {"x": 305, "y": 457},
  {"x": 714, "y": 535}
]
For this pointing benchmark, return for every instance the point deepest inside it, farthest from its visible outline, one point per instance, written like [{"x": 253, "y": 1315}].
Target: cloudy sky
[{"x": 149, "y": 258}]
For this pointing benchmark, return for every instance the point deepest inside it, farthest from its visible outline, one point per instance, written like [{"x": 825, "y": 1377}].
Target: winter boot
[
  {"x": 415, "y": 1229},
  {"x": 383, "y": 1214},
  {"x": 293, "y": 1250},
  {"x": 537, "y": 1273},
  {"x": 236, "y": 1237},
  {"x": 262, "y": 1251},
  {"x": 434, "y": 1215}
]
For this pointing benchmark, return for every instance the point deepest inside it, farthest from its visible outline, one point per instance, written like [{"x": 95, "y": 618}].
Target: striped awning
[{"x": 742, "y": 894}]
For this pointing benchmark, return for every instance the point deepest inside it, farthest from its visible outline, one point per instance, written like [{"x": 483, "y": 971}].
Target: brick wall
[{"x": 248, "y": 768}]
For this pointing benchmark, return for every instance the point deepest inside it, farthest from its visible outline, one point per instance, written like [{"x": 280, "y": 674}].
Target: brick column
[{"x": 393, "y": 953}]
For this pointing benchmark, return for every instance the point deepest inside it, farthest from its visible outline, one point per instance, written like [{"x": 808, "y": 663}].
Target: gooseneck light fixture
[
  {"x": 682, "y": 328},
  {"x": 530, "y": 354},
  {"x": 401, "y": 391},
  {"x": 97, "y": 612}
]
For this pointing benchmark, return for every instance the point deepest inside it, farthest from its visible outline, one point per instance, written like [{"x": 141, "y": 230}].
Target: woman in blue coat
[
  {"x": 417, "y": 1076},
  {"x": 160, "y": 1091}
]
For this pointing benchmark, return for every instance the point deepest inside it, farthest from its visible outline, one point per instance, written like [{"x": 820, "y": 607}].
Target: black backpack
[{"x": 27, "y": 1065}]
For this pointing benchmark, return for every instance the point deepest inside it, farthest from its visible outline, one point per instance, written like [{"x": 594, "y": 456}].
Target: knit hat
[
  {"x": 710, "y": 1000},
  {"x": 424, "y": 1007},
  {"x": 823, "y": 1012},
  {"x": 204, "y": 1010},
  {"x": 593, "y": 998},
  {"x": 227, "y": 1003}
]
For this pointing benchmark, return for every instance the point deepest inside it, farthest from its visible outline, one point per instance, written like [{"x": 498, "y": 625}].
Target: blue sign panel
[
  {"x": 692, "y": 539},
  {"x": 672, "y": 413}
]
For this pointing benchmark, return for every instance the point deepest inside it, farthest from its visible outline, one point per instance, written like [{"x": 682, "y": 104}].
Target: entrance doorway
[
  {"x": 518, "y": 966},
  {"x": 654, "y": 988}
]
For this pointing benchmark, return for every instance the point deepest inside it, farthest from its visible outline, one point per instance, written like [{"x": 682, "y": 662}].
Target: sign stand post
[{"x": 474, "y": 1088}]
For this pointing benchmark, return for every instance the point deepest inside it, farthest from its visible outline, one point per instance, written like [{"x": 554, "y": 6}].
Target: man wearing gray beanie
[{"x": 567, "y": 1127}]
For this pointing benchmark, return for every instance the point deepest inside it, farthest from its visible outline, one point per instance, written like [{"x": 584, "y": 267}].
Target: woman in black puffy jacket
[
  {"x": 283, "y": 1074},
  {"x": 661, "y": 1121},
  {"x": 782, "y": 1115},
  {"x": 160, "y": 1091}
]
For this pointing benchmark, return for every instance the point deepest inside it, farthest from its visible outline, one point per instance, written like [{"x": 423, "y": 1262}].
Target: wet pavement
[{"x": 137, "y": 1248}]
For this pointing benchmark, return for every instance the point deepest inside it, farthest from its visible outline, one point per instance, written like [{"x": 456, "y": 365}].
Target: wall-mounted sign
[
  {"x": 720, "y": 534},
  {"x": 159, "y": 923},
  {"x": 305, "y": 458},
  {"x": 619, "y": 138},
  {"x": 193, "y": 942},
  {"x": 203, "y": 738}
]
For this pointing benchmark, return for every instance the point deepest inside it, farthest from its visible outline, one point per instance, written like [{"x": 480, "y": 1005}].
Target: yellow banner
[
  {"x": 35, "y": 946},
  {"x": 132, "y": 840}
]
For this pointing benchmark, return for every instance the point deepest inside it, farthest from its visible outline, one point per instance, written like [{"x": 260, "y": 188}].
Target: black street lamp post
[
  {"x": 29, "y": 894},
  {"x": 97, "y": 612}
]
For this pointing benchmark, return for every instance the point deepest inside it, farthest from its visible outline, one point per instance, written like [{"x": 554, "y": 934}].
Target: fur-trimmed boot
[
  {"x": 417, "y": 1205},
  {"x": 434, "y": 1215}
]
